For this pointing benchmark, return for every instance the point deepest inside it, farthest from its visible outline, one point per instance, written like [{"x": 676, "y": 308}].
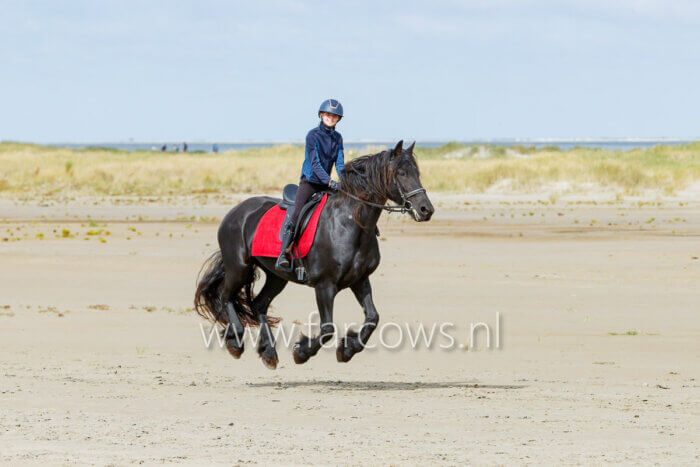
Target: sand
[{"x": 103, "y": 361}]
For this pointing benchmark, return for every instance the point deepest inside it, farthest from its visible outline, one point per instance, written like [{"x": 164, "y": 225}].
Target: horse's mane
[{"x": 370, "y": 177}]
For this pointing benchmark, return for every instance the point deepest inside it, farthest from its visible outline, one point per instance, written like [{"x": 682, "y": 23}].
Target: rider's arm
[
  {"x": 319, "y": 171},
  {"x": 340, "y": 161}
]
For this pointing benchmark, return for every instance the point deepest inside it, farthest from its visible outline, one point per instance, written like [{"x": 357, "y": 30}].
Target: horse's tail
[
  {"x": 207, "y": 301},
  {"x": 207, "y": 298}
]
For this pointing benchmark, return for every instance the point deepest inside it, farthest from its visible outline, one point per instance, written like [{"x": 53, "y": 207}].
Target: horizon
[{"x": 362, "y": 141}]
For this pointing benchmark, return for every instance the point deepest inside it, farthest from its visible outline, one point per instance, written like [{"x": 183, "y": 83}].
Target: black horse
[{"x": 344, "y": 254}]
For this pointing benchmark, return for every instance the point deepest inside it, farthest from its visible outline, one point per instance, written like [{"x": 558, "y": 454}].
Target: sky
[{"x": 169, "y": 70}]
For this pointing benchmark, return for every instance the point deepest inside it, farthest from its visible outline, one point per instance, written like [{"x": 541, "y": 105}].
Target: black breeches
[{"x": 304, "y": 192}]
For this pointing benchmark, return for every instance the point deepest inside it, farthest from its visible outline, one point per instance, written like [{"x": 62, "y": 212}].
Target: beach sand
[{"x": 598, "y": 308}]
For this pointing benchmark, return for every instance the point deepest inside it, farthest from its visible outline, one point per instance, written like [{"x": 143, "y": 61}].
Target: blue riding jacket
[{"x": 324, "y": 147}]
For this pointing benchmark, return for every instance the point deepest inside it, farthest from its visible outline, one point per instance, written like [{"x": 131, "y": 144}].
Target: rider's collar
[{"x": 322, "y": 126}]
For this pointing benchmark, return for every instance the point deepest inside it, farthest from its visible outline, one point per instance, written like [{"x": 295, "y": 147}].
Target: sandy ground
[{"x": 103, "y": 361}]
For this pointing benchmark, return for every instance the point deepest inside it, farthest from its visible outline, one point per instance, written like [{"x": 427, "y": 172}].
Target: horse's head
[{"x": 405, "y": 188}]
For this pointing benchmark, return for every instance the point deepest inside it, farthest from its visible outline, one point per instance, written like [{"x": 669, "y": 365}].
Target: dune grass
[{"x": 33, "y": 170}]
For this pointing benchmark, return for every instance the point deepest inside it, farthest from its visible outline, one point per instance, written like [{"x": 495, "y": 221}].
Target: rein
[{"x": 405, "y": 207}]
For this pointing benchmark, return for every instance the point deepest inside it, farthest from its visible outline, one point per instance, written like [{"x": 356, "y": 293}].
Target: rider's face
[{"x": 329, "y": 119}]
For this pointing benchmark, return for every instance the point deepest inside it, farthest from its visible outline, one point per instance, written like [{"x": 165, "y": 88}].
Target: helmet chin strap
[{"x": 329, "y": 127}]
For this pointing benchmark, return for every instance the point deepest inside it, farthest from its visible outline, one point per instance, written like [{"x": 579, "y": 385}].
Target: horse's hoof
[
  {"x": 269, "y": 357},
  {"x": 298, "y": 359},
  {"x": 342, "y": 353},
  {"x": 233, "y": 350},
  {"x": 304, "y": 342},
  {"x": 270, "y": 363}
]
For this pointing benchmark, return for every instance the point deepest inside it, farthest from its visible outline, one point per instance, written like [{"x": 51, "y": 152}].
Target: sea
[{"x": 611, "y": 144}]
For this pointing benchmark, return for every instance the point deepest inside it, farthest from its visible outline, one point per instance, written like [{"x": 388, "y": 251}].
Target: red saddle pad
[{"x": 266, "y": 241}]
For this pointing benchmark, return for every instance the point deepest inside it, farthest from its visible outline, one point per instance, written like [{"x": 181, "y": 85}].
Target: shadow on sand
[{"x": 381, "y": 385}]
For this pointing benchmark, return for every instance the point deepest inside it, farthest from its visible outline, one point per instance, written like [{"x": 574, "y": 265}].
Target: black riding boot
[{"x": 283, "y": 261}]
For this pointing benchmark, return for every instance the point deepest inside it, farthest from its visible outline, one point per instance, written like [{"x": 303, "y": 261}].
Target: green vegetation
[{"x": 33, "y": 170}]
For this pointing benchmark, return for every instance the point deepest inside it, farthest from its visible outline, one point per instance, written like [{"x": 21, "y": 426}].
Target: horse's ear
[
  {"x": 410, "y": 148},
  {"x": 398, "y": 149}
]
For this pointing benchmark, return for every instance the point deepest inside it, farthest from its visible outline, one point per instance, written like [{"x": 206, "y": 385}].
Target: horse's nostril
[{"x": 423, "y": 209}]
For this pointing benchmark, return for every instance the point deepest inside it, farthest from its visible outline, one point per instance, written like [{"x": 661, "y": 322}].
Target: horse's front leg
[
  {"x": 353, "y": 342},
  {"x": 308, "y": 347}
]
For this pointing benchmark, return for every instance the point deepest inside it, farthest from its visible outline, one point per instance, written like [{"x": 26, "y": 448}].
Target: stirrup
[
  {"x": 280, "y": 267},
  {"x": 301, "y": 273}
]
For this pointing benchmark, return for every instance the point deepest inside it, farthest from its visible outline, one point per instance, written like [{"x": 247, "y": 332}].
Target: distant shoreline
[
  {"x": 622, "y": 144},
  {"x": 424, "y": 141}
]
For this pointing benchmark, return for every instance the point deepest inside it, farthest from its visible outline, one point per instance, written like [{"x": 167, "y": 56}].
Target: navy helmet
[{"x": 331, "y": 106}]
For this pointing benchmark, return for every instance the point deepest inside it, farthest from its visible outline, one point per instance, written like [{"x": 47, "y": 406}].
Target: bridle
[{"x": 406, "y": 205}]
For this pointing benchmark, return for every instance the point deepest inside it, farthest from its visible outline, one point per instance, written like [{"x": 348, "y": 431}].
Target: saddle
[{"x": 289, "y": 195}]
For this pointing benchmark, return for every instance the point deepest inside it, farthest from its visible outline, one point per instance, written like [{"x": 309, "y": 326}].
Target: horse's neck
[
  {"x": 369, "y": 215},
  {"x": 373, "y": 198}
]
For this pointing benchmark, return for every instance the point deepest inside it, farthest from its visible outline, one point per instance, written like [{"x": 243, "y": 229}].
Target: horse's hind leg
[
  {"x": 266, "y": 345},
  {"x": 234, "y": 332},
  {"x": 353, "y": 342}
]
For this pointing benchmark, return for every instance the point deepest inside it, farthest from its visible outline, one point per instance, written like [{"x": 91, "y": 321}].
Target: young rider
[{"x": 324, "y": 147}]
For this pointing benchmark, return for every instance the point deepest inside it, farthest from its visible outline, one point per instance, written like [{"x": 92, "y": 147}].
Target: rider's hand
[{"x": 333, "y": 184}]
